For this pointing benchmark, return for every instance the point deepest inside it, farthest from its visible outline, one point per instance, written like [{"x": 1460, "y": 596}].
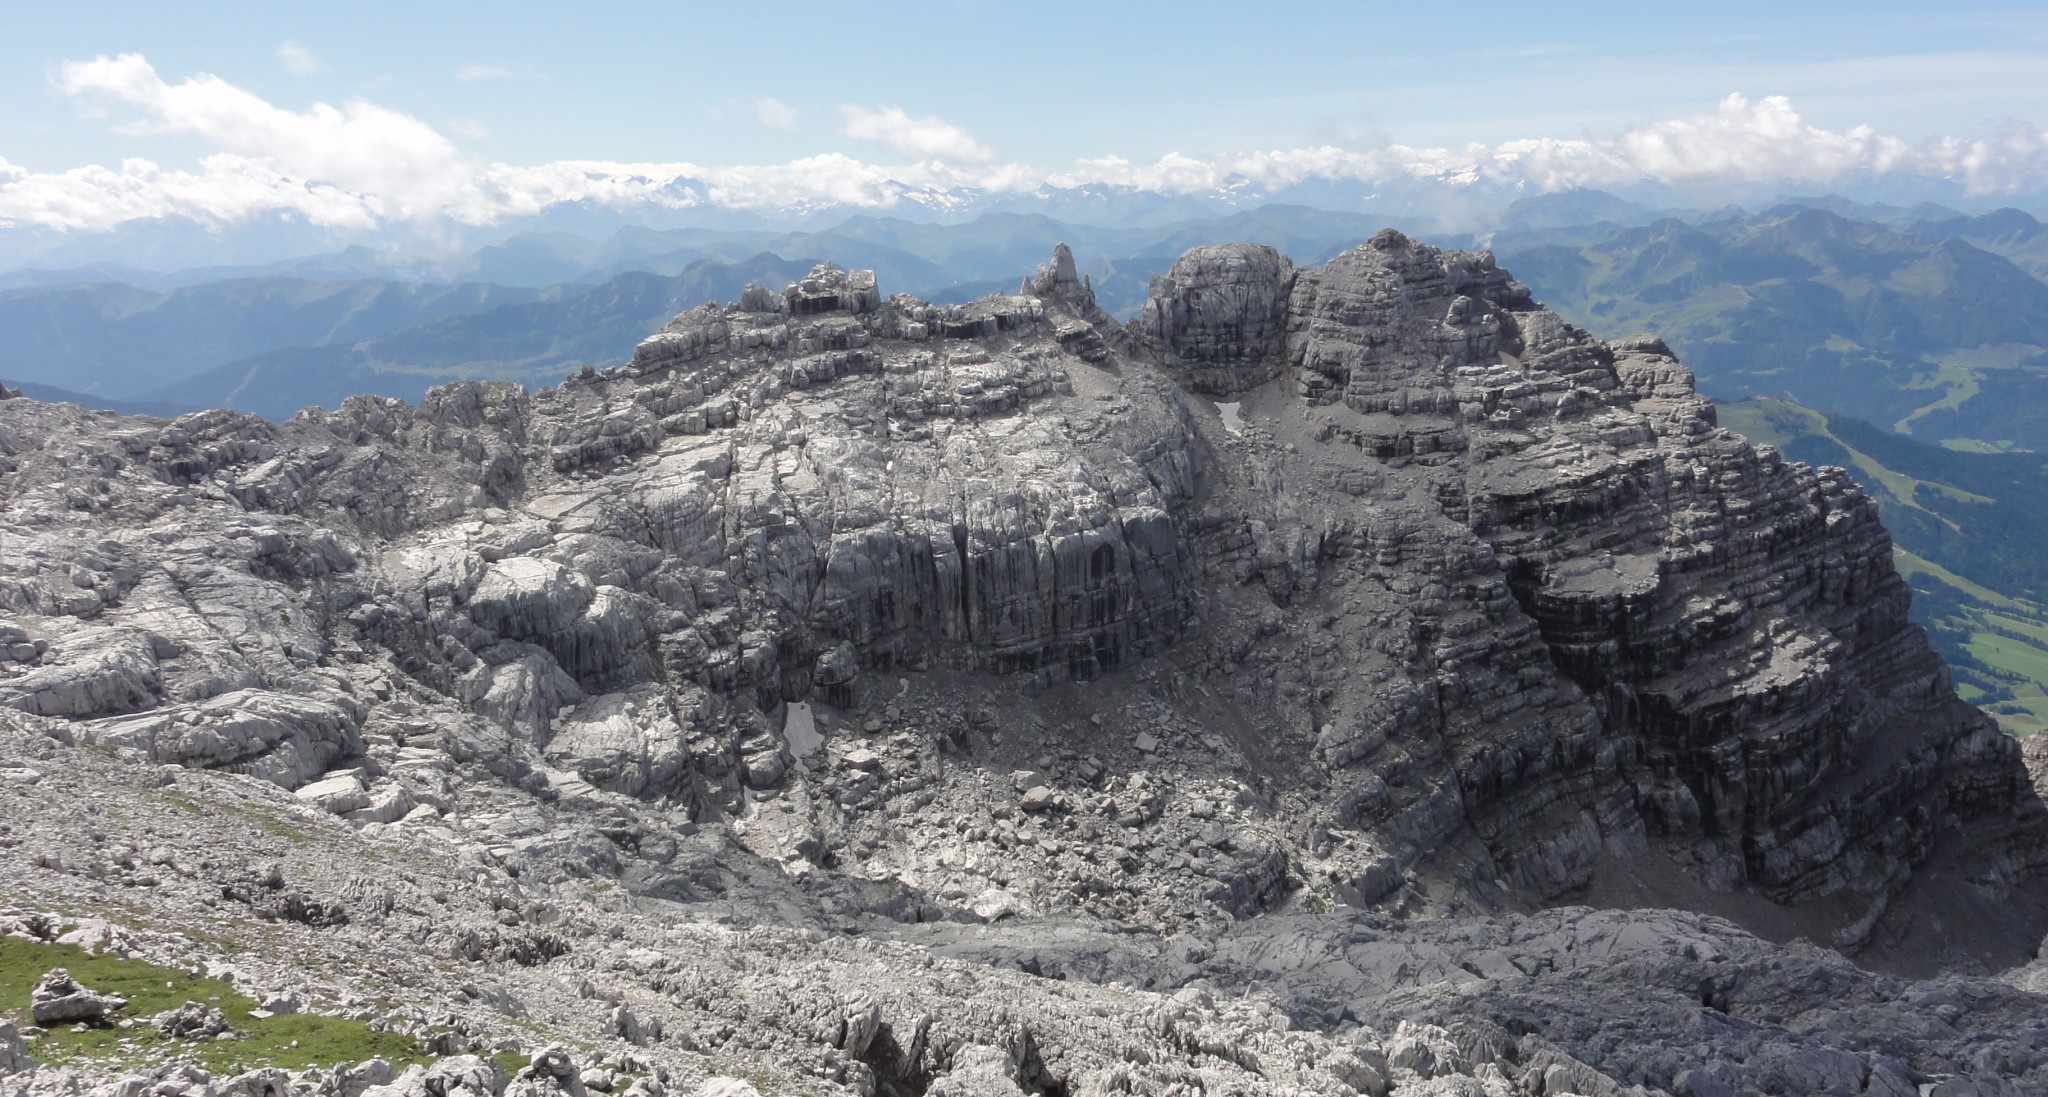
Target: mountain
[
  {"x": 553, "y": 257},
  {"x": 534, "y": 343},
  {"x": 1573, "y": 207},
  {"x": 315, "y": 331},
  {"x": 34, "y": 278},
  {"x": 1933, "y": 337},
  {"x": 1882, "y": 213},
  {"x": 1893, "y": 326},
  {"x": 51, "y": 394},
  {"x": 176, "y": 243},
  {"x": 228, "y": 342},
  {"x": 1924, "y": 331},
  {"x": 2012, "y": 233},
  {"x": 118, "y": 340},
  {"x": 1966, "y": 529},
  {"x": 1433, "y": 195},
  {"x": 928, "y": 257},
  {"x": 1326, "y": 684}
]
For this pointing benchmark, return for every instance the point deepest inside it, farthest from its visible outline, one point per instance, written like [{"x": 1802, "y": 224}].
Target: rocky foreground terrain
[{"x": 1341, "y": 680}]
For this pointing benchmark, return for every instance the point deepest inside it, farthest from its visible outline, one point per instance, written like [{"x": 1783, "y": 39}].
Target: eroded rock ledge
[{"x": 993, "y": 610}]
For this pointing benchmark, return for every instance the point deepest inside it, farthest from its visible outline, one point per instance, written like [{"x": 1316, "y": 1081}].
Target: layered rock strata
[{"x": 1370, "y": 585}]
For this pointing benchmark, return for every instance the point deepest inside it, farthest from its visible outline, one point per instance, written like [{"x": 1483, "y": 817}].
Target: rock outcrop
[
  {"x": 1221, "y": 317},
  {"x": 191, "y": 1021},
  {"x": 957, "y": 616},
  {"x": 58, "y": 999}
]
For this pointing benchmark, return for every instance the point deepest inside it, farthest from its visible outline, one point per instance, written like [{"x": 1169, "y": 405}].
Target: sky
[{"x": 111, "y": 110}]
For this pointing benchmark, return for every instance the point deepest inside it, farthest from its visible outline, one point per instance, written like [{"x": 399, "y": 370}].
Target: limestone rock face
[
  {"x": 99, "y": 671},
  {"x": 988, "y": 614},
  {"x": 627, "y": 743},
  {"x": 1504, "y": 594},
  {"x": 1221, "y": 314},
  {"x": 280, "y": 737}
]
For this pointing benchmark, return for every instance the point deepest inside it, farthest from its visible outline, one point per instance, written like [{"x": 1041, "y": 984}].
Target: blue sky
[{"x": 1034, "y": 87}]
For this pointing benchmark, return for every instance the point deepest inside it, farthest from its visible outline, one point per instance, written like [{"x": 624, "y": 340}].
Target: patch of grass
[
  {"x": 2027, "y": 720},
  {"x": 1979, "y": 445},
  {"x": 2010, "y": 655},
  {"x": 1782, "y": 424},
  {"x": 1769, "y": 422},
  {"x": 182, "y": 802},
  {"x": 267, "y": 822},
  {"x": 292, "y": 1043},
  {"x": 512, "y": 1062},
  {"x": 1910, "y": 565},
  {"x": 2029, "y": 628},
  {"x": 1960, "y": 383}
]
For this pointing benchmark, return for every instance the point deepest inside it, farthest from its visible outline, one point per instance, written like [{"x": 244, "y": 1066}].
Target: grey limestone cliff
[{"x": 1369, "y": 587}]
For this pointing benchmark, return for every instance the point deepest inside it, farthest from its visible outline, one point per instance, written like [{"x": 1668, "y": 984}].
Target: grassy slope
[
  {"x": 1938, "y": 338},
  {"x": 291, "y": 1042}
]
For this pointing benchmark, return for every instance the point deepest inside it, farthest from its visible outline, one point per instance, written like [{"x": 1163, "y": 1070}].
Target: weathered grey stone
[
  {"x": 191, "y": 1021},
  {"x": 338, "y": 795},
  {"x": 58, "y": 999},
  {"x": 628, "y": 743},
  {"x": 95, "y": 671},
  {"x": 279, "y": 737},
  {"x": 1221, "y": 317},
  {"x": 1463, "y": 613},
  {"x": 388, "y": 802},
  {"x": 14, "y": 1055}
]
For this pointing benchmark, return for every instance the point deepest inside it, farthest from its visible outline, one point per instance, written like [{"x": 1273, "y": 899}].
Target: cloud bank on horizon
[{"x": 363, "y": 166}]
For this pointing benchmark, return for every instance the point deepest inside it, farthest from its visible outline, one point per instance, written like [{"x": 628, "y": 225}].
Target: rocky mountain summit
[{"x": 856, "y": 693}]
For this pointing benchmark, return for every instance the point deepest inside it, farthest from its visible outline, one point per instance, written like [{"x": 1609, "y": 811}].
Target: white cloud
[
  {"x": 359, "y": 165},
  {"x": 1762, "y": 140},
  {"x": 926, "y": 138},
  {"x": 399, "y": 166},
  {"x": 298, "y": 60},
  {"x": 226, "y": 190},
  {"x": 774, "y": 113},
  {"x": 1741, "y": 141}
]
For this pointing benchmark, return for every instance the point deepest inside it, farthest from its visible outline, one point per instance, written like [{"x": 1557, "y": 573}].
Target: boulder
[
  {"x": 191, "y": 1021},
  {"x": 336, "y": 795},
  {"x": 58, "y": 999}
]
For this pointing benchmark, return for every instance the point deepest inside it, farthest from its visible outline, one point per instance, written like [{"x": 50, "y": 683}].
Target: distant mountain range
[
  {"x": 118, "y": 341},
  {"x": 535, "y": 342},
  {"x": 579, "y": 230},
  {"x": 1901, "y": 341},
  {"x": 1926, "y": 332},
  {"x": 275, "y": 338},
  {"x": 1917, "y": 317},
  {"x": 913, "y": 256}
]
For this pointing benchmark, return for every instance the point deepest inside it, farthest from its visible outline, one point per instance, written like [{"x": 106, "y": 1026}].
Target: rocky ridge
[{"x": 1307, "y": 636}]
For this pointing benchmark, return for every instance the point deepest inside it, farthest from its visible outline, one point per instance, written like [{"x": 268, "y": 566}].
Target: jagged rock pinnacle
[{"x": 832, "y": 610}]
